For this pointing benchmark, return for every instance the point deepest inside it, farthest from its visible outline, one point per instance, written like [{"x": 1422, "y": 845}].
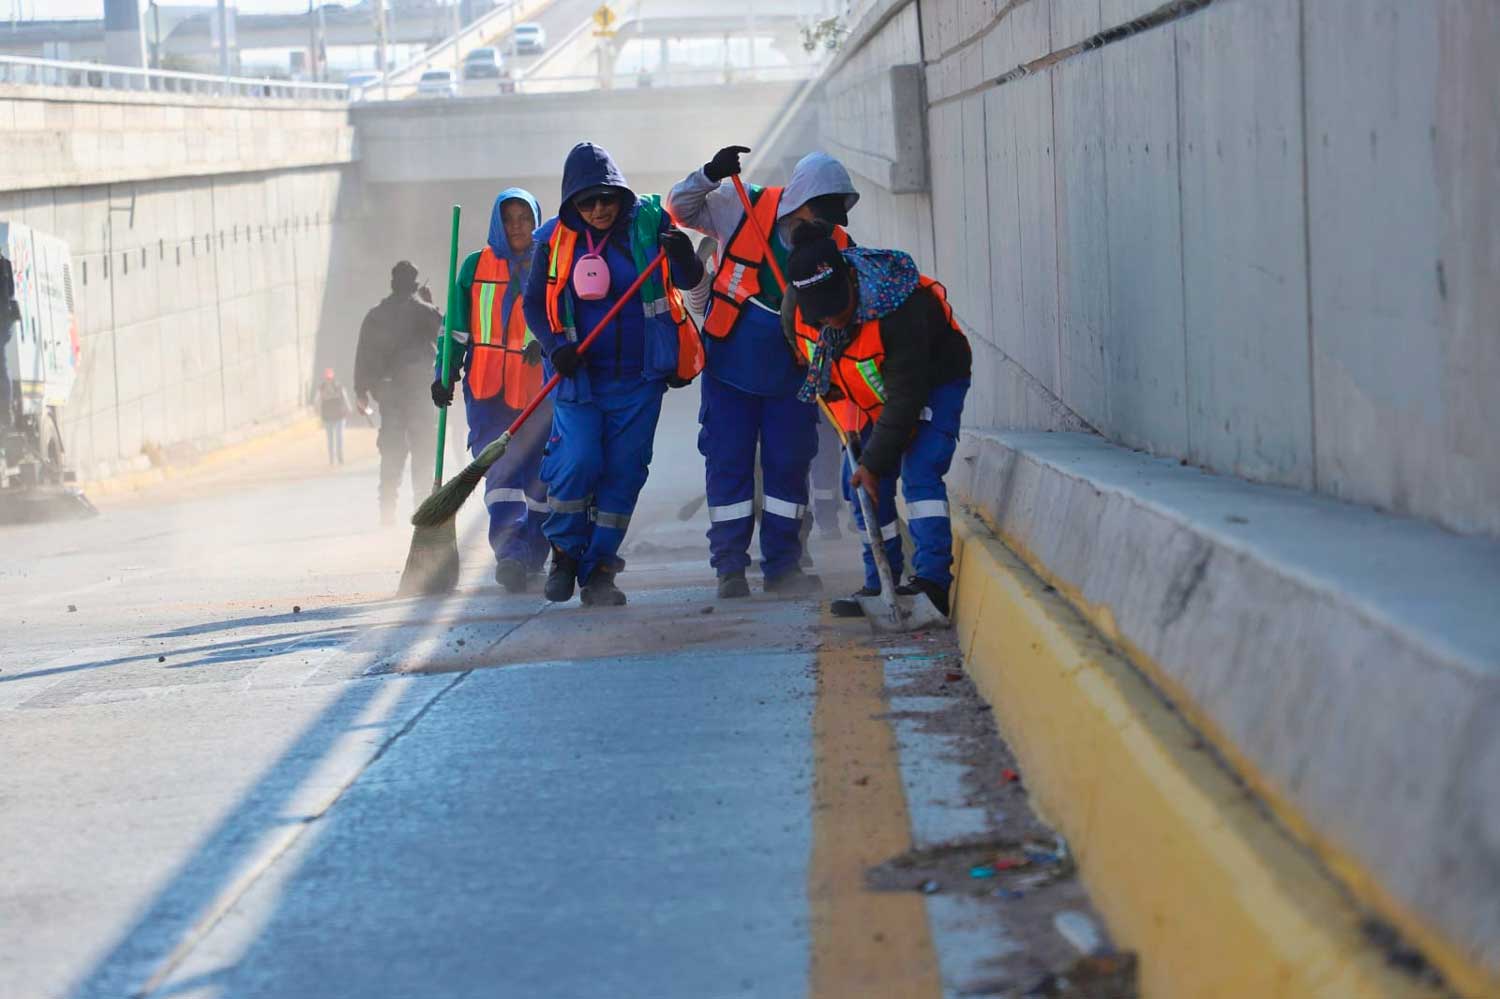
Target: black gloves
[
  {"x": 532, "y": 353},
  {"x": 442, "y": 395},
  {"x": 725, "y": 163},
  {"x": 679, "y": 247},
  {"x": 565, "y": 360}
]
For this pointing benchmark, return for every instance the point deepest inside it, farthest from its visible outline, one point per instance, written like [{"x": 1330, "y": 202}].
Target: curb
[
  {"x": 1181, "y": 860},
  {"x": 129, "y": 482}
]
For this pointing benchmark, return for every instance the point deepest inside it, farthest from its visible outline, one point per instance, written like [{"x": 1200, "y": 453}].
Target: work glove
[
  {"x": 565, "y": 360},
  {"x": 726, "y": 163},
  {"x": 442, "y": 395},
  {"x": 679, "y": 248},
  {"x": 674, "y": 382},
  {"x": 532, "y": 353}
]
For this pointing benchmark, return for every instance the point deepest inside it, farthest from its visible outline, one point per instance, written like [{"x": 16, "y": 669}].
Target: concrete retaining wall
[{"x": 1259, "y": 238}]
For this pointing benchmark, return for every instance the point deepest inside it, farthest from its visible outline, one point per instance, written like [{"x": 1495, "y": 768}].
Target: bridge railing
[
  {"x": 717, "y": 76},
  {"x": 27, "y": 71}
]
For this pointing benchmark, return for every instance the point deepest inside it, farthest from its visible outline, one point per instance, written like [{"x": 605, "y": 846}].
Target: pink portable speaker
[{"x": 590, "y": 272}]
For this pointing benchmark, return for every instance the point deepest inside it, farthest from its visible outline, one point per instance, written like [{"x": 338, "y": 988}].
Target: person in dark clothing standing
[
  {"x": 10, "y": 313},
  {"x": 890, "y": 359},
  {"x": 393, "y": 363}
]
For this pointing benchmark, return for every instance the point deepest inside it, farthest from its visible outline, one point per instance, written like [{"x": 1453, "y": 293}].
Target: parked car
[
  {"x": 437, "y": 83},
  {"x": 359, "y": 84},
  {"x": 530, "y": 37},
  {"x": 484, "y": 64}
]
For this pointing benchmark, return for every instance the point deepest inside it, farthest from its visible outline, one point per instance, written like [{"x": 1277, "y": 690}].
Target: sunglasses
[{"x": 589, "y": 202}]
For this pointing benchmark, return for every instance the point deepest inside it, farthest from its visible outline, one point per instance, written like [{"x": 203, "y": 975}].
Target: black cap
[
  {"x": 817, "y": 270},
  {"x": 404, "y": 276}
]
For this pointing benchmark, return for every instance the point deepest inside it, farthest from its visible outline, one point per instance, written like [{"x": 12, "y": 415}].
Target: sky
[{"x": 95, "y": 8}]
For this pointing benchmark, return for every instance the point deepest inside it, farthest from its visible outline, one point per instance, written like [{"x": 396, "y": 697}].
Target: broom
[
  {"x": 441, "y": 507},
  {"x": 432, "y": 561}
]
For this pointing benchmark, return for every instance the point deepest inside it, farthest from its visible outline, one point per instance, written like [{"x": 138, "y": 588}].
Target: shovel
[
  {"x": 888, "y": 611},
  {"x": 432, "y": 562}
]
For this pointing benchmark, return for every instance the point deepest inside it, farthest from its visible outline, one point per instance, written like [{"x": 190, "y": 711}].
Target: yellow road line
[{"x": 864, "y": 943}]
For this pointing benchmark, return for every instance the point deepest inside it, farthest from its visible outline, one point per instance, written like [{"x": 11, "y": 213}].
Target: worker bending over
[
  {"x": 608, "y": 403},
  {"x": 501, "y": 365},
  {"x": 885, "y": 351},
  {"x": 750, "y": 392}
]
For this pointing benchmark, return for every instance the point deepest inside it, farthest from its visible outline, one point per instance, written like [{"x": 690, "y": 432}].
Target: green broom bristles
[{"x": 444, "y": 504}]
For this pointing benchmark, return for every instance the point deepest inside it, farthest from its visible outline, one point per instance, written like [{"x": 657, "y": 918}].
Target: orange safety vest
[
  {"x": 561, "y": 249},
  {"x": 857, "y": 372},
  {"x": 496, "y": 341},
  {"x": 739, "y": 270}
]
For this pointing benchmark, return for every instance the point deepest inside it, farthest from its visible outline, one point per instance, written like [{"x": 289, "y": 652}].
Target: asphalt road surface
[{"x": 237, "y": 767}]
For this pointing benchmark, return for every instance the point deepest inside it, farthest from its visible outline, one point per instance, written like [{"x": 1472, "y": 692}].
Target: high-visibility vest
[
  {"x": 744, "y": 255},
  {"x": 659, "y": 296},
  {"x": 496, "y": 341},
  {"x": 857, "y": 374}
]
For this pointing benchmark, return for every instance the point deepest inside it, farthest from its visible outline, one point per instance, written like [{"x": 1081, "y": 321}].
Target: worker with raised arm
[
  {"x": 749, "y": 392},
  {"x": 500, "y": 363},
  {"x": 884, "y": 350}
]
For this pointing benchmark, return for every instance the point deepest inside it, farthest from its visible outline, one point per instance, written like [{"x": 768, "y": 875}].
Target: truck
[{"x": 39, "y": 358}]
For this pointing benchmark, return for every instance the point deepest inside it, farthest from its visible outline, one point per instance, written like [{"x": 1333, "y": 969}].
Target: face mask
[{"x": 590, "y": 272}]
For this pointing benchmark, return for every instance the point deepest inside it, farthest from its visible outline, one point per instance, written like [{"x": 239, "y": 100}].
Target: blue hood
[
  {"x": 497, "y": 239},
  {"x": 589, "y": 166}
]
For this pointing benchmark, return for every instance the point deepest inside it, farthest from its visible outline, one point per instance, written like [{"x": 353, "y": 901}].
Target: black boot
[
  {"x": 937, "y": 594},
  {"x": 849, "y": 606},
  {"x": 794, "y": 584},
  {"x": 732, "y": 585},
  {"x": 559, "y": 586},
  {"x": 511, "y": 574},
  {"x": 600, "y": 590}
]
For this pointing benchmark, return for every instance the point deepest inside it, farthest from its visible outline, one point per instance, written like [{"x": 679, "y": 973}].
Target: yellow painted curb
[
  {"x": 128, "y": 482},
  {"x": 1181, "y": 860}
]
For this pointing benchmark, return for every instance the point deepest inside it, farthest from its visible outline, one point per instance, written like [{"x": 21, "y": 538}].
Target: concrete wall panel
[
  {"x": 1404, "y": 204},
  {"x": 1144, "y": 344},
  {"x": 1244, "y": 263}
]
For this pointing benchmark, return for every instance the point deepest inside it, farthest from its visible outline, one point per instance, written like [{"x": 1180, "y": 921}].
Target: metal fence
[{"x": 26, "y": 71}]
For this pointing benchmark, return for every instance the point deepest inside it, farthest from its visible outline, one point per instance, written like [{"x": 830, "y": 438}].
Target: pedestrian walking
[
  {"x": 750, "y": 400},
  {"x": 500, "y": 363},
  {"x": 332, "y": 400},
  {"x": 393, "y": 364},
  {"x": 886, "y": 352},
  {"x": 604, "y": 420}
]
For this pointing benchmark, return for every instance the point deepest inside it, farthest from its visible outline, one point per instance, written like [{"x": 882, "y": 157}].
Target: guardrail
[
  {"x": 26, "y": 71},
  {"x": 717, "y": 76}
]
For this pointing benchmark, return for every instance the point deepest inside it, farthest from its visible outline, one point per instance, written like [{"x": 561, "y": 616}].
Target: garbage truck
[{"x": 39, "y": 357}]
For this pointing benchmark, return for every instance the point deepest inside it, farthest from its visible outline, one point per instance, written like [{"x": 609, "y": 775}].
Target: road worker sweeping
[
  {"x": 604, "y": 421},
  {"x": 501, "y": 364},
  {"x": 884, "y": 349},
  {"x": 750, "y": 390}
]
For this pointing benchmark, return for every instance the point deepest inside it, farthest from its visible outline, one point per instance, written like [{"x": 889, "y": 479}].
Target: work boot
[
  {"x": 601, "y": 591},
  {"x": 559, "y": 585},
  {"x": 795, "y": 583},
  {"x": 849, "y": 606},
  {"x": 936, "y": 593},
  {"x": 511, "y": 574},
  {"x": 732, "y": 585}
]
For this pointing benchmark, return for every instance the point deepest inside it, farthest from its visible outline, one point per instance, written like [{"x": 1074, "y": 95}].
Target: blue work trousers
[
  {"x": 923, "y": 466},
  {"x": 514, "y": 492},
  {"x": 733, "y": 422},
  {"x": 597, "y": 460}
]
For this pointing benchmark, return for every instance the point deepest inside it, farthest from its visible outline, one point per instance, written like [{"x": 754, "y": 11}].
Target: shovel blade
[
  {"x": 902, "y": 614},
  {"x": 432, "y": 562}
]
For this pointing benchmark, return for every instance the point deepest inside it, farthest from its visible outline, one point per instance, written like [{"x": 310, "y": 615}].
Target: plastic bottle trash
[
  {"x": 930, "y": 887},
  {"x": 1010, "y": 776},
  {"x": 1080, "y": 931},
  {"x": 981, "y": 871}
]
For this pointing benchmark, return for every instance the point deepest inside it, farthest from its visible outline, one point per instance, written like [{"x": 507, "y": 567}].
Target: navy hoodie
[{"x": 621, "y": 352}]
